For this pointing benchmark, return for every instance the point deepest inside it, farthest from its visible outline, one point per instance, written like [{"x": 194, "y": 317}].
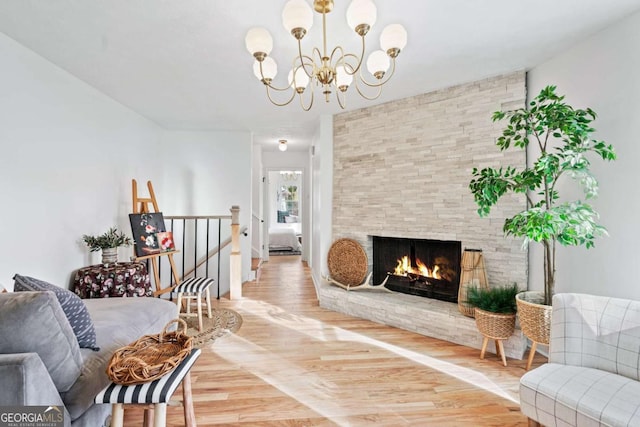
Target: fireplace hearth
[{"x": 423, "y": 267}]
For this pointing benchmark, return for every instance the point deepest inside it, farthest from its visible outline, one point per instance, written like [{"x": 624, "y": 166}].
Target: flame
[
  {"x": 423, "y": 270},
  {"x": 404, "y": 267}
]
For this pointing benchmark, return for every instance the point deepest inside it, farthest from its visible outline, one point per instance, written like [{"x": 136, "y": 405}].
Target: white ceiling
[{"x": 183, "y": 64}]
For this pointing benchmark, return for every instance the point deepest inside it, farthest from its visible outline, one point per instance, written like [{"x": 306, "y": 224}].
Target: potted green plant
[
  {"x": 495, "y": 313},
  {"x": 562, "y": 138},
  {"x": 107, "y": 242}
]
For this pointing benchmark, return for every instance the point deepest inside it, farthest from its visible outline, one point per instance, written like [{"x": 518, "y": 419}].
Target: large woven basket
[
  {"x": 535, "y": 318},
  {"x": 150, "y": 357},
  {"x": 497, "y": 326},
  {"x": 347, "y": 262}
]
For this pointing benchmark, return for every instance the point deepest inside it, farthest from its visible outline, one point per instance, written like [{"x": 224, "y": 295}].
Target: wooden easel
[{"x": 141, "y": 205}]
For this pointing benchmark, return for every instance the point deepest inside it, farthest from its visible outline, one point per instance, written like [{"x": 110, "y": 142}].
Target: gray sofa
[
  {"x": 41, "y": 362},
  {"x": 593, "y": 374}
]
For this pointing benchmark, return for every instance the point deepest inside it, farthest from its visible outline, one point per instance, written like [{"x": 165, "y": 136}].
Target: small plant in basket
[
  {"x": 499, "y": 299},
  {"x": 495, "y": 313}
]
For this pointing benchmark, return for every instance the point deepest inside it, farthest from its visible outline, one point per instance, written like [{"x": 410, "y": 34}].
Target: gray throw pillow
[
  {"x": 33, "y": 322},
  {"x": 71, "y": 304}
]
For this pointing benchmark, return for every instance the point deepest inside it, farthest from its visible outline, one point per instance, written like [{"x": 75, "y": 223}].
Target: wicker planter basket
[
  {"x": 150, "y": 357},
  {"x": 497, "y": 326},
  {"x": 535, "y": 318}
]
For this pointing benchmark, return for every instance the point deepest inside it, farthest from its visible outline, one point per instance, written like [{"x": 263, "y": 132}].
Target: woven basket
[
  {"x": 497, "y": 326},
  {"x": 535, "y": 318},
  {"x": 473, "y": 274},
  {"x": 150, "y": 357},
  {"x": 347, "y": 262}
]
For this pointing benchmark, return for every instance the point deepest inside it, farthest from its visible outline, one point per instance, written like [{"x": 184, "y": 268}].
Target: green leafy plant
[
  {"x": 562, "y": 135},
  {"x": 111, "y": 239},
  {"x": 499, "y": 299}
]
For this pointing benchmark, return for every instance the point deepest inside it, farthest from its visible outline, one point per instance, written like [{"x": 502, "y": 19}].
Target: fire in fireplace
[{"x": 424, "y": 267}]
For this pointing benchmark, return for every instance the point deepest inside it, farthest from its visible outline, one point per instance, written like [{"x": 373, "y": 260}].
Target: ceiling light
[
  {"x": 334, "y": 71},
  {"x": 282, "y": 145}
]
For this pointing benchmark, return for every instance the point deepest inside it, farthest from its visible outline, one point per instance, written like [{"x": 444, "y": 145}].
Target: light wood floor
[{"x": 293, "y": 363}]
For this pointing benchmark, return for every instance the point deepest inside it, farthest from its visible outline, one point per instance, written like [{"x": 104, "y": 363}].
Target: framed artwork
[
  {"x": 165, "y": 240},
  {"x": 144, "y": 228}
]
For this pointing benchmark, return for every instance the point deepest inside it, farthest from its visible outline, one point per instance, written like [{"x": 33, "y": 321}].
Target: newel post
[{"x": 235, "y": 262}]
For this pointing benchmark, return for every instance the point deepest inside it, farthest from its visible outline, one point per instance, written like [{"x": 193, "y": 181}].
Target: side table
[
  {"x": 122, "y": 279},
  {"x": 155, "y": 393}
]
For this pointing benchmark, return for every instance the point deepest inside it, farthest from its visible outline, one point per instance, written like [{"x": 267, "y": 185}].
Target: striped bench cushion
[
  {"x": 194, "y": 285},
  {"x": 158, "y": 391}
]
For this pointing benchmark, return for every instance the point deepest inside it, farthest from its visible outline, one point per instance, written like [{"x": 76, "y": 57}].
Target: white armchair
[{"x": 592, "y": 378}]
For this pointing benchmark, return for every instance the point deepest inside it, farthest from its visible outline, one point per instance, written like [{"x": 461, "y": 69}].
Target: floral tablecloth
[{"x": 124, "y": 279}]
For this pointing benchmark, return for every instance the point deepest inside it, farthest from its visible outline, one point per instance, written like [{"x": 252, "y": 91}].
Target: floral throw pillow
[{"x": 71, "y": 304}]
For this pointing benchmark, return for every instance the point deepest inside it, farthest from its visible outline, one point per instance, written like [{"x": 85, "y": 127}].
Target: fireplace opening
[{"x": 424, "y": 267}]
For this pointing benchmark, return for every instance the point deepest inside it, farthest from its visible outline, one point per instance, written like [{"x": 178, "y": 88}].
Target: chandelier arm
[
  {"x": 354, "y": 68},
  {"x": 333, "y": 52},
  {"x": 316, "y": 51},
  {"x": 279, "y": 89},
  {"x": 341, "y": 102},
  {"x": 380, "y": 83},
  {"x": 362, "y": 94},
  {"x": 302, "y": 57},
  {"x": 310, "y": 102},
  {"x": 309, "y": 63},
  {"x": 361, "y": 56},
  {"x": 293, "y": 94},
  {"x": 269, "y": 85}
]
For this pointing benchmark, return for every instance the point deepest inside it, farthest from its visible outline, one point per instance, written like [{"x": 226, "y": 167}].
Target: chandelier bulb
[
  {"x": 361, "y": 12},
  {"x": 393, "y": 36},
  {"x": 297, "y": 14},
  {"x": 258, "y": 40}
]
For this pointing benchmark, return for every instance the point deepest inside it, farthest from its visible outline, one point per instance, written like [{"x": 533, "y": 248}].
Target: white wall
[
  {"x": 602, "y": 73},
  {"x": 256, "y": 203},
  {"x": 68, "y": 154},
  {"x": 207, "y": 173},
  {"x": 322, "y": 195}
]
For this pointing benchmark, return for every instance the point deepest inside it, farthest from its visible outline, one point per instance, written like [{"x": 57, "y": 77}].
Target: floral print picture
[
  {"x": 145, "y": 228},
  {"x": 165, "y": 240}
]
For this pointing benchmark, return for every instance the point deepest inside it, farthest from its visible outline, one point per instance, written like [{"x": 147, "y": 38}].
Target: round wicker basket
[
  {"x": 347, "y": 262},
  {"x": 150, "y": 357},
  {"x": 497, "y": 326},
  {"x": 535, "y": 317}
]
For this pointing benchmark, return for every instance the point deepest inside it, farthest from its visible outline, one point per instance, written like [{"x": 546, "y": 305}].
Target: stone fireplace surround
[{"x": 402, "y": 169}]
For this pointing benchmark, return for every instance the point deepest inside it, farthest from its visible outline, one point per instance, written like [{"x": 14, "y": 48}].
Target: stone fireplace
[{"x": 402, "y": 169}]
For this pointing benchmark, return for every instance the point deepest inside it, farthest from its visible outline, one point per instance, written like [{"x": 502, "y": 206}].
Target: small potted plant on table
[
  {"x": 107, "y": 242},
  {"x": 495, "y": 313}
]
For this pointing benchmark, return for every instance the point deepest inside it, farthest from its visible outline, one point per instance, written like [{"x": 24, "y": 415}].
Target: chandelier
[{"x": 334, "y": 72}]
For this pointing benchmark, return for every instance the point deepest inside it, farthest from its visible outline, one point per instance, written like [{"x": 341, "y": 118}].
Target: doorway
[{"x": 284, "y": 196}]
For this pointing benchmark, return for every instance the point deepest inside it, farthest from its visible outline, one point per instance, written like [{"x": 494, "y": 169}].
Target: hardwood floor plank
[{"x": 293, "y": 363}]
